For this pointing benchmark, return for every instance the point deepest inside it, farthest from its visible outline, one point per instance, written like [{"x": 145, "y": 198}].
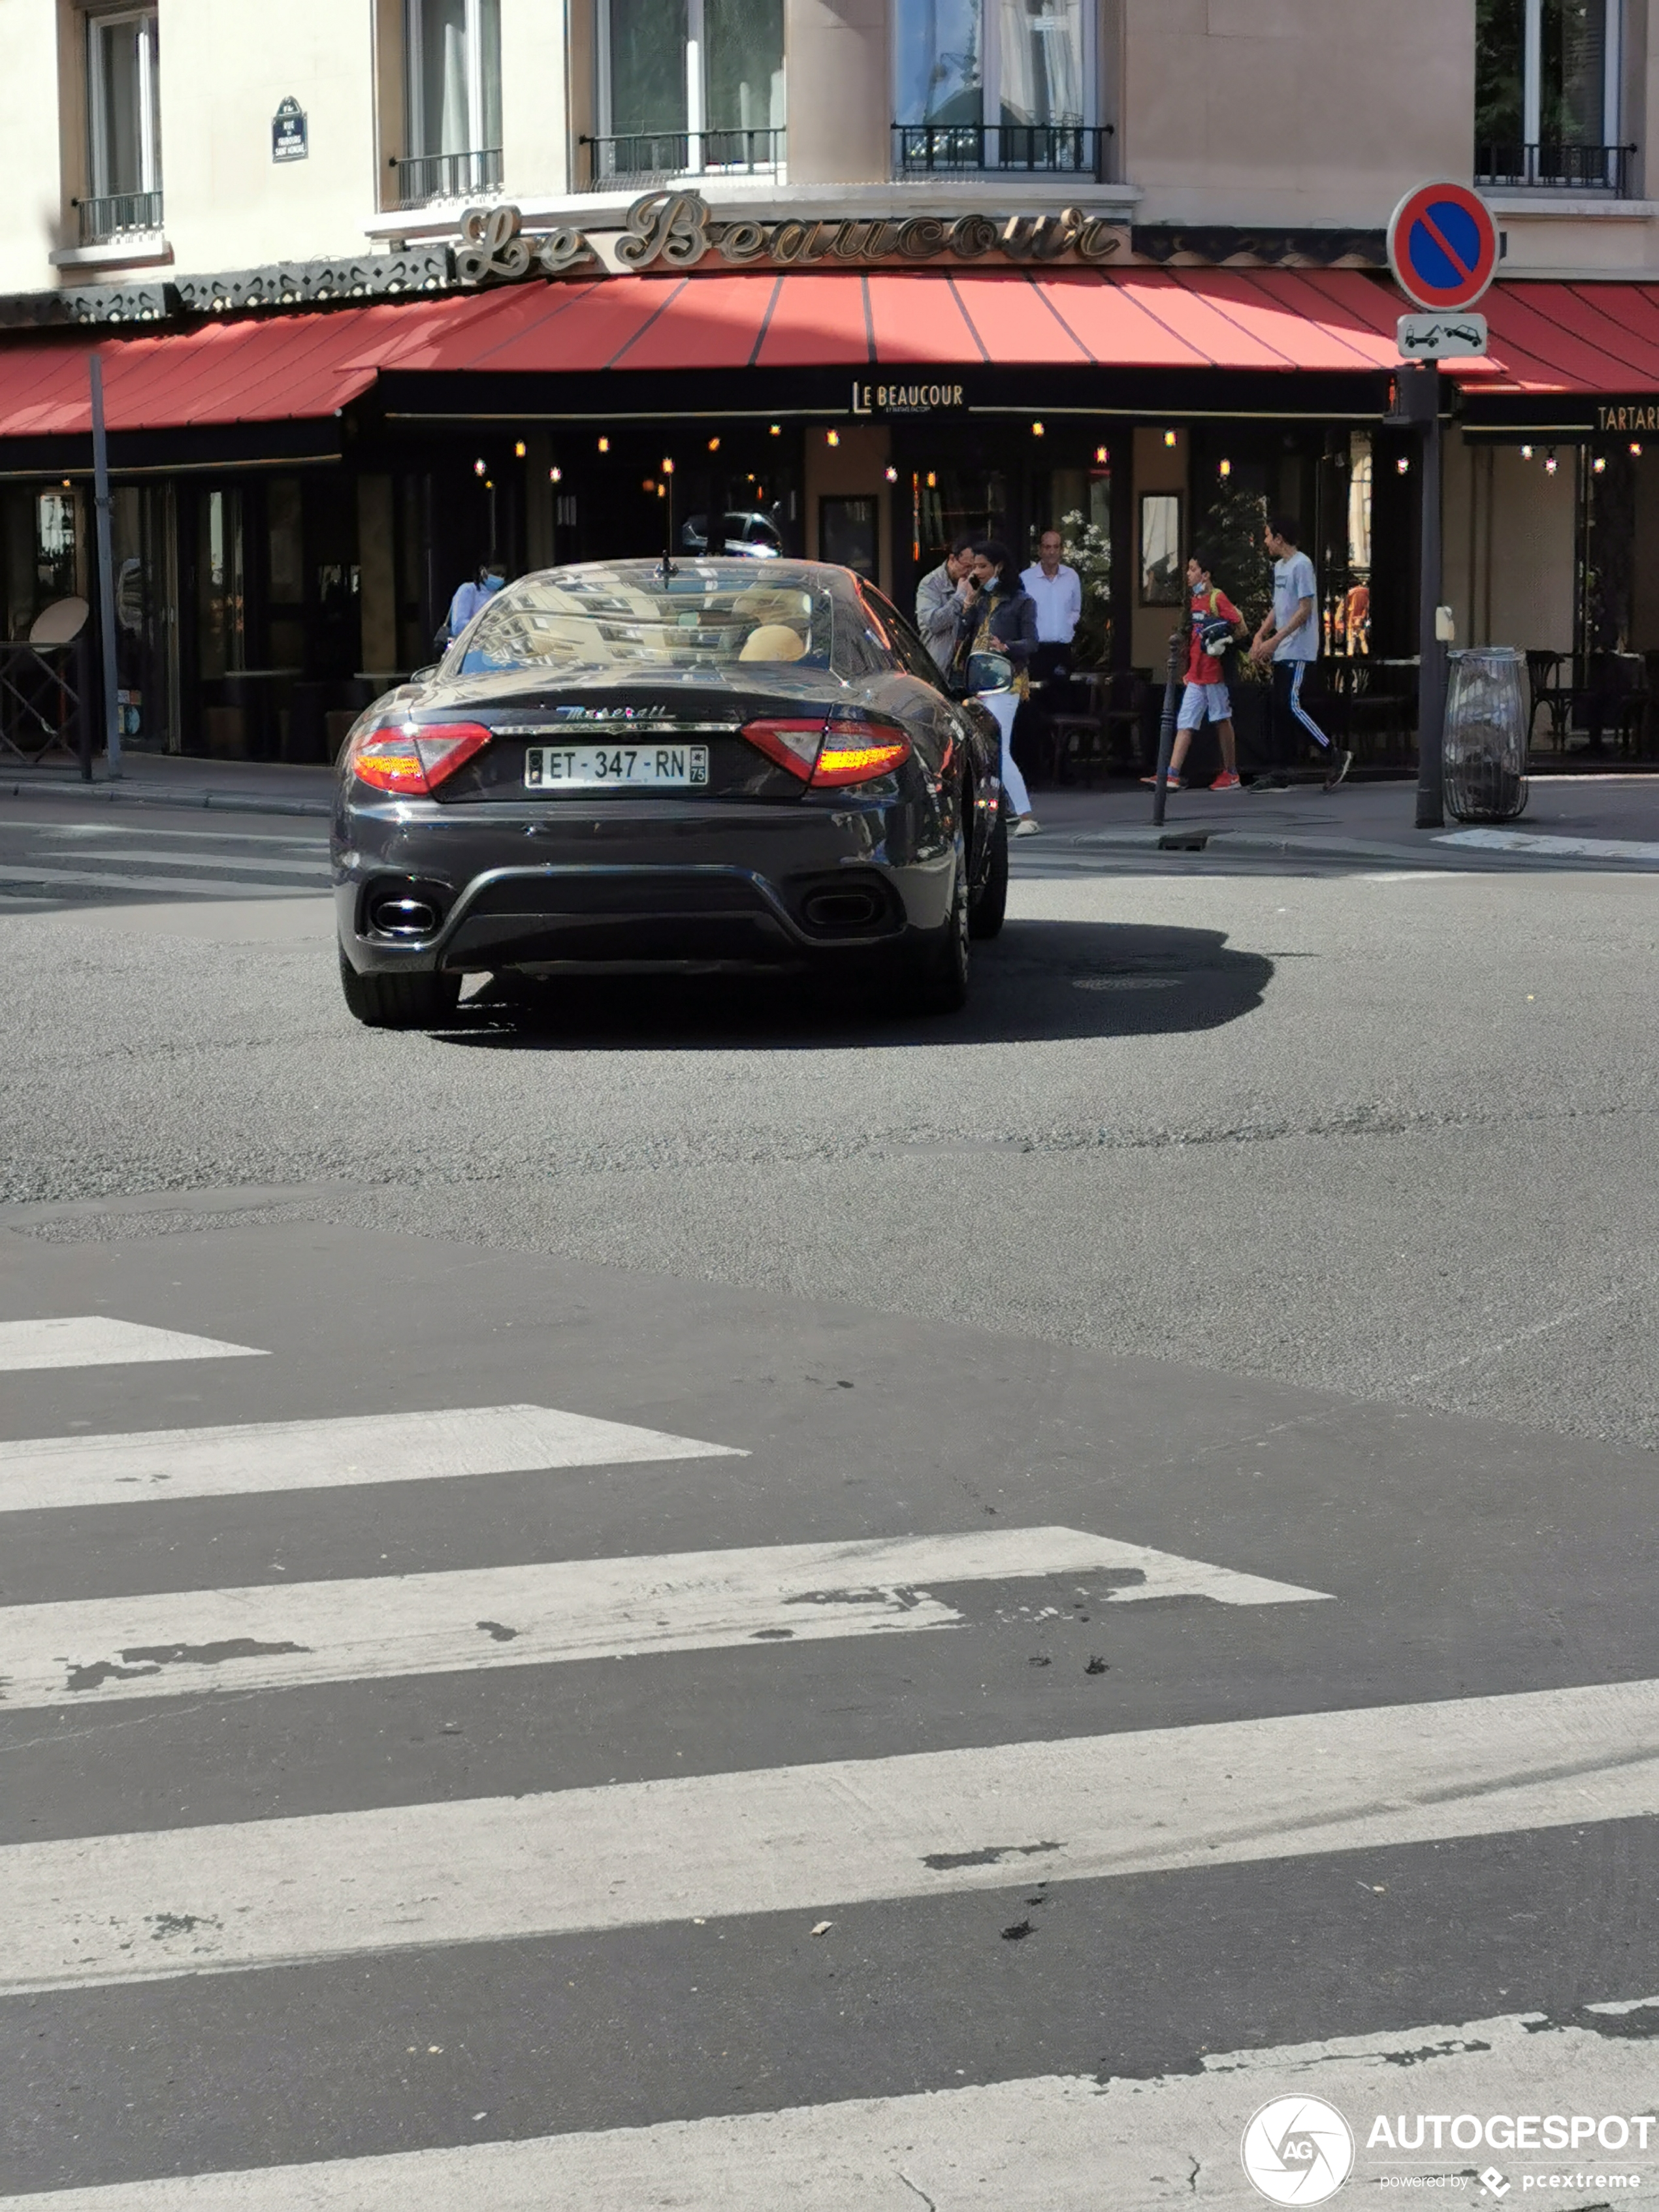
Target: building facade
[{"x": 380, "y": 287}]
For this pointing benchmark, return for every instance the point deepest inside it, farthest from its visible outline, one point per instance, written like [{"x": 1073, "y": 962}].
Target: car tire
[
  {"x": 989, "y": 907},
  {"x": 400, "y": 1002},
  {"x": 938, "y": 980}
]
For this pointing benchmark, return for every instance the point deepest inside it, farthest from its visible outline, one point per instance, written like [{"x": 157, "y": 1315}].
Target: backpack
[{"x": 1218, "y": 638}]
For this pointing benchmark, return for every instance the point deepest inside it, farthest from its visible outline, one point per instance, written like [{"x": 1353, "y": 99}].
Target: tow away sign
[{"x": 1440, "y": 337}]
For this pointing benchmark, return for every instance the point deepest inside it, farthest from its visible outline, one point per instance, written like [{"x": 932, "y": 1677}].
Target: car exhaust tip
[
  {"x": 404, "y": 917},
  {"x": 842, "y": 909}
]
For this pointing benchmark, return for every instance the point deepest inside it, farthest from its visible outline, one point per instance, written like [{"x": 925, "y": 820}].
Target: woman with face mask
[{"x": 1000, "y": 616}]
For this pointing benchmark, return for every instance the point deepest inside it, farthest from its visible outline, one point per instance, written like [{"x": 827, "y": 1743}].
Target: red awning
[{"x": 275, "y": 367}]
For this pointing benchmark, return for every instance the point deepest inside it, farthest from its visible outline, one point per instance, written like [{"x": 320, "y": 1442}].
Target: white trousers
[{"x": 1005, "y": 705}]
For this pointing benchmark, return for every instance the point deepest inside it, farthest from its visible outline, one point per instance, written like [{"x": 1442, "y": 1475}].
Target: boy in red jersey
[{"x": 1206, "y": 695}]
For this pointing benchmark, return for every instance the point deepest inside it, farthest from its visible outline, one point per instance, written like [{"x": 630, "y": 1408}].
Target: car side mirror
[
  {"x": 423, "y": 675},
  {"x": 990, "y": 671}
]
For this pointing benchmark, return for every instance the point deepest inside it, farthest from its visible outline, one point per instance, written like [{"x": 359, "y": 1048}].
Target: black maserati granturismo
[{"x": 684, "y": 765}]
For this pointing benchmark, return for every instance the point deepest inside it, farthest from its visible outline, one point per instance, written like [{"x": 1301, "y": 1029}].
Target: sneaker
[
  {"x": 1269, "y": 783},
  {"x": 1340, "y": 764},
  {"x": 1226, "y": 781},
  {"x": 1170, "y": 782},
  {"x": 1027, "y": 826}
]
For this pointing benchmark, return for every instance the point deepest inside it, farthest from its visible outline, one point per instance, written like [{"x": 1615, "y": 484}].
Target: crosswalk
[
  {"x": 169, "y": 1907},
  {"x": 135, "y": 858}
]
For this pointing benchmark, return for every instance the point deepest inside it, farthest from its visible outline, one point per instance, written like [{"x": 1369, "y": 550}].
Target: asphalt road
[{"x": 1272, "y": 1248}]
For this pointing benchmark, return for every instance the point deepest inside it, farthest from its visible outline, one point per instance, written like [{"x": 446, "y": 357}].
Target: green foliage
[{"x": 1088, "y": 549}]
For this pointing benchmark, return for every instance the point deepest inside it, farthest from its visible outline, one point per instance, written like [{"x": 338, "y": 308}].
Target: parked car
[
  {"x": 671, "y": 766},
  {"x": 754, "y": 537}
]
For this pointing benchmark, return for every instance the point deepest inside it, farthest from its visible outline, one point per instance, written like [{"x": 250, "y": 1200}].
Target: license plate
[{"x": 602, "y": 768}]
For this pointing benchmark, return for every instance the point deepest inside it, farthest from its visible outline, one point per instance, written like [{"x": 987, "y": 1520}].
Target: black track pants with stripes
[{"x": 1291, "y": 725}]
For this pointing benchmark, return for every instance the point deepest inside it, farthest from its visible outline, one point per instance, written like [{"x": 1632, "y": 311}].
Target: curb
[{"x": 223, "y": 802}]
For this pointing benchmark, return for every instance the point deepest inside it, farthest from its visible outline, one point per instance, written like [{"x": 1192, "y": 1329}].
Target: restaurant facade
[{"x": 1012, "y": 325}]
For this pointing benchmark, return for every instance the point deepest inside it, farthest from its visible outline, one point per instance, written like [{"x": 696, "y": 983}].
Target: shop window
[
  {"x": 995, "y": 84},
  {"x": 1546, "y": 94},
  {"x": 453, "y": 52},
  {"x": 689, "y": 88},
  {"x": 847, "y": 535},
  {"x": 123, "y": 123},
  {"x": 221, "y": 612},
  {"x": 1162, "y": 582}
]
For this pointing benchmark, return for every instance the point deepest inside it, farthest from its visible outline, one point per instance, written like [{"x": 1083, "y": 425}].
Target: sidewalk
[
  {"x": 1569, "y": 821},
  {"x": 169, "y": 780},
  {"x": 1596, "y": 821}
]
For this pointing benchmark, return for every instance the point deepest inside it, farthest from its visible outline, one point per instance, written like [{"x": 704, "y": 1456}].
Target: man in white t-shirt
[{"x": 1289, "y": 639}]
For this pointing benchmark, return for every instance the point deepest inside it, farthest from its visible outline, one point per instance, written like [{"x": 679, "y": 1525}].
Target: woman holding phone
[{"x": 1000, "y": 616}]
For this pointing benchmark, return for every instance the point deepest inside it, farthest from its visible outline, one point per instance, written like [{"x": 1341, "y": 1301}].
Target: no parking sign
[{"x": 1442, "y": 246}]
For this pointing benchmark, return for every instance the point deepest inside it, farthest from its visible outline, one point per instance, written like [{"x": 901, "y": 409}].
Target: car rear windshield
[{"x": 698, "y": 621}]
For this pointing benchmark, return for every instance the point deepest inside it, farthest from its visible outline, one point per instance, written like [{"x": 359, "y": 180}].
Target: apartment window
[
  {"x": 1547, "y": 94},
  {"x": 124, "y": 114},
  {"x": 453, "y": 49},
  {"x": 997, "y": 84},
  {"x": 687, "y": 87}
]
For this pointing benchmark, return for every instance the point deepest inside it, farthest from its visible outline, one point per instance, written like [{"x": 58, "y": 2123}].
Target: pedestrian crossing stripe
[
  {"x": 155, "y": 1905},
  {"x": 322, "y": 1455},
  {"x": 100, "y": 1340},
  {"x": 1055, "y": 2144},
  {"x": 277, "y": 1636}
]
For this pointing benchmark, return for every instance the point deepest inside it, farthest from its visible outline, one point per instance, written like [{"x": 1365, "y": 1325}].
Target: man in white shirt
[
  {"x": 1289, "y": 639},
  {"x": 1058, "y": 591}
]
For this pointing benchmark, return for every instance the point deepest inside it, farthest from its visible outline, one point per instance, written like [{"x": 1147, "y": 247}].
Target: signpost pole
[
  {"x": 1432, "y": 662},
  {"x": 1442, "y": 249},
  {"x": 100, "y": 497}
]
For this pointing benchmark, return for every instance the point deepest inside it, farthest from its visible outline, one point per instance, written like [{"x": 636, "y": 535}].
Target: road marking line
[
  {"x": 335, "y": 1455},
  {"x": 151, "y": 1906},
  {"x": 1526, "y": 841},
  {"x": 276, "y": 1637},
  {"x": 98, "y": 1340},
  {"x": 147, "y": 832},
  {"x": 190, "y": 886},
  {"x": 1057, "y": 2143}
]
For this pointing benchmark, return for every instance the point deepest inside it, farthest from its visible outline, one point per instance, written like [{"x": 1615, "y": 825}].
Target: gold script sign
[{"x": 676, "y": 230}]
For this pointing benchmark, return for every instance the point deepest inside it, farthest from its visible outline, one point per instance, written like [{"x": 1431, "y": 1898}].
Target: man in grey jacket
[{"x": 940, "y": 600}]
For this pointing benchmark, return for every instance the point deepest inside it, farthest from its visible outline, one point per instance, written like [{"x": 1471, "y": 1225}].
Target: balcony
[
  {"x": 1040, "y": 149},
  {"x": 1560, "y": 168},
  {"x": 427, "y": 179},
  {"x": 643, "y": 158},
  {"x": 111, "y": 216}
]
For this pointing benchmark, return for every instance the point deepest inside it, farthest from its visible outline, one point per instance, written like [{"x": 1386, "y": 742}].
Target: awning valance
[{"x": 1545, "y": 337}]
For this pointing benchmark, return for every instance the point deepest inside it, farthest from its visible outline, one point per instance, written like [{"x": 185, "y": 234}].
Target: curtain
[{"x": 1040, "y": 50}]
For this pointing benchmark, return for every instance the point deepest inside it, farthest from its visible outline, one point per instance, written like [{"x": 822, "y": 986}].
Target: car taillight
[
  {"x": 791, "y": 744},
  {"x": 855, "y": 751},
  {"x": 830, "y": 754},
  {"x": 414, "y": 758}
]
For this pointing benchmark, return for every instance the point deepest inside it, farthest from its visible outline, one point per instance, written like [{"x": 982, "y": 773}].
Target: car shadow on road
[{"x": 1039, "y": 980}]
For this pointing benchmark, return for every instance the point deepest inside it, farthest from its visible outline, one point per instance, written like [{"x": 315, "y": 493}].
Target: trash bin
[{"x": 1485, "y": 740}]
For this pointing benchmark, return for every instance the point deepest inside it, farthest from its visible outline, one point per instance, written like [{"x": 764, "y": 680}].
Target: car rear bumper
[{"x": 634, "y": 884}]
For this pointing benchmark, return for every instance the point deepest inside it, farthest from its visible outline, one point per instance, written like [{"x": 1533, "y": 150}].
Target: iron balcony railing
[
  {"x": 110, "y": 215},
  {"x": 423, "y": 178},
  {"x": 1558, "y": 167},
  {"x": 1073, "y": 149},
  {"x": 647, "y": 157}
]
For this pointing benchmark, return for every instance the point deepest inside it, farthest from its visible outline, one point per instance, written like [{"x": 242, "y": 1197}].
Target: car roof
[{"x": 724, "y": 569}]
